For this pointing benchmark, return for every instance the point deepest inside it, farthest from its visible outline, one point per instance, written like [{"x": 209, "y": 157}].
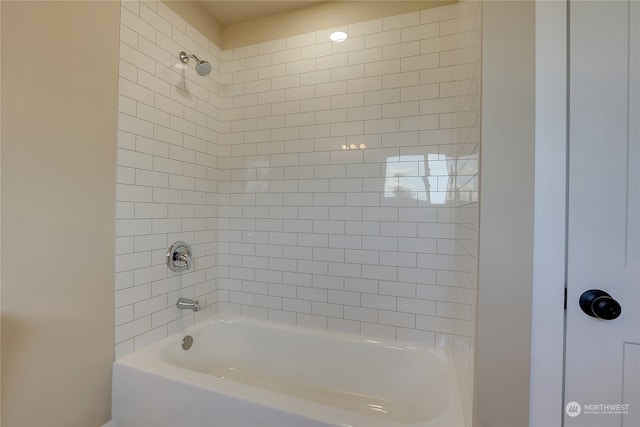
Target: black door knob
[{"x": 599, "y": 304}]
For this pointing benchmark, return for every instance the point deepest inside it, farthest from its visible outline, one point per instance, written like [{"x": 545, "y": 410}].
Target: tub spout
[{"x": 188, "y": 304}]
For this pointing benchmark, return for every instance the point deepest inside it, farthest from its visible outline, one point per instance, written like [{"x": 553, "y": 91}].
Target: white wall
[
  {"x": 252, "y": 158},
  {"x": 166, "y": 178},
  {"x": 468, "y": 128},
  {"x": 346, "y": 239},
  {"x": 547, "y": 330}
]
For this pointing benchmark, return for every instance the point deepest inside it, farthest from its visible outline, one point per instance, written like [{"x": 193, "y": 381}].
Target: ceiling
[
  {"x": 236, "y": 23},
  {"x": 233, "y": 12}
]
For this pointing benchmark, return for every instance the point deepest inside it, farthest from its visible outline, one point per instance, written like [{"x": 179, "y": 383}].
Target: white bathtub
[{"x": 247, "y": 373}]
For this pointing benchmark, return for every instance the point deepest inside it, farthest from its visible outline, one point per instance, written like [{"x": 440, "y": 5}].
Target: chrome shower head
[{"x": 202, "y": 67}]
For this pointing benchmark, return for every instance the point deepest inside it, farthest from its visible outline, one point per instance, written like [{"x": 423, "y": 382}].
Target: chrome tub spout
[{"x": 188, "y": 304}]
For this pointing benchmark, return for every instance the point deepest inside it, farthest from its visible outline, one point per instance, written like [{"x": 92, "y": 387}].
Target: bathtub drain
[{"x": 187, "y": 342}]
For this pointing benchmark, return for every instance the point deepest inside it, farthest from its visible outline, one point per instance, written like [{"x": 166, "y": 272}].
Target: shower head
[{"x": 202, "y": 67}]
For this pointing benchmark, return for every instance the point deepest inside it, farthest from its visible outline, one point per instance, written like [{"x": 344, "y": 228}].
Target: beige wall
[
  {"x": 59, "y": 96},
  {"x": 0, "y": 218},
  {"x": 298, "y": 21},
  {"x": 317, "y": 17},
  {"x": 198, "y": 17},
  {"x": 503, "y": 348}
]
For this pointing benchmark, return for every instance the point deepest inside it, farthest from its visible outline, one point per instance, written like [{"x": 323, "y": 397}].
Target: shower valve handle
[
  {"x": 185, "y": 258},
  {"x": 179, "y": 257}
]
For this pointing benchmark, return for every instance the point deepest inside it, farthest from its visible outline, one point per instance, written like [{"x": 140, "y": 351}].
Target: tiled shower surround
[{"x": 331, "y": 185}]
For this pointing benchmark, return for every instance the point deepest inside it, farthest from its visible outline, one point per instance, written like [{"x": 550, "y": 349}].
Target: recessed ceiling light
[{"x": 338, "y": 36}]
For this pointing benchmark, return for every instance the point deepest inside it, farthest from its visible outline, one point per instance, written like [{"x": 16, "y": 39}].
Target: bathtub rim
[{"x": 150, "y": 360}]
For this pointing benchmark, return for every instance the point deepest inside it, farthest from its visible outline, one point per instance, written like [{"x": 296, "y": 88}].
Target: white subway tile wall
[
  {"x": 329, "y": 185},
  {"x": 167, "y": 176}
]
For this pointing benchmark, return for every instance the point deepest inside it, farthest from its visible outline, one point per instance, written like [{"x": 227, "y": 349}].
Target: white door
[{"x": 602, "y": 360}]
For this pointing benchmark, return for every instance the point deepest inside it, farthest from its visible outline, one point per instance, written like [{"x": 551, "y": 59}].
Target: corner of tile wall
[{"x": 167, "y": 174}]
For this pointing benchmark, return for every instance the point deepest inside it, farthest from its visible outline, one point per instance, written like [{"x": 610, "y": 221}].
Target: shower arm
[{"x": 184, "y": 57}]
